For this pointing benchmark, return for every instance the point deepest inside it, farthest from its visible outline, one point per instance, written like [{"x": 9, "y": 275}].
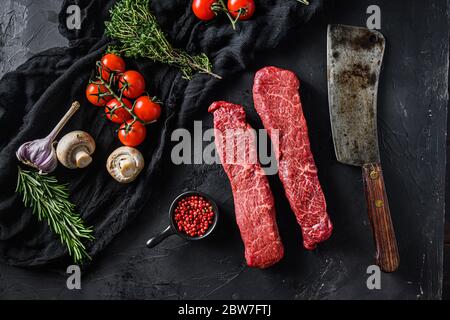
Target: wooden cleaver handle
[{"x": 387, "y": 256}]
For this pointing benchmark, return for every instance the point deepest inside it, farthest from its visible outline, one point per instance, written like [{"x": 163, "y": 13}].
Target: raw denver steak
[
  {"x": 277, "y": 101},
  {"x": 254, "y": 206}
]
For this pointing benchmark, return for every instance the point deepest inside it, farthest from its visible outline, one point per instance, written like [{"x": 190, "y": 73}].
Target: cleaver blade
[{"x": 354, "y": 57}]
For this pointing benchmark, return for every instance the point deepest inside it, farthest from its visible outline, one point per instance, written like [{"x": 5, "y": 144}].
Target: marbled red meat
[
  {"x": 277, "y": 101},
  {"x": 253, "y": 199}
]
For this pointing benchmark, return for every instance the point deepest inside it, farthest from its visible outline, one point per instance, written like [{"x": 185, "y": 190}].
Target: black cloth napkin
[{"x": 35, "y": 96}]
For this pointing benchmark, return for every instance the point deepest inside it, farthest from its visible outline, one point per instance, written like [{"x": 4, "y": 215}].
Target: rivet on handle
[
  {"x": 374, "y": 175},
  {"x": 379, "y": 203}
]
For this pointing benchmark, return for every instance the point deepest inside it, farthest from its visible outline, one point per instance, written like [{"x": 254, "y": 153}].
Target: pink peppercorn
[{"x": 194, "y": 215}]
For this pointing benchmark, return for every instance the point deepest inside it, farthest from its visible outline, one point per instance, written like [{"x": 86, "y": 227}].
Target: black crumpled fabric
[{"x": 35, "y": 96}]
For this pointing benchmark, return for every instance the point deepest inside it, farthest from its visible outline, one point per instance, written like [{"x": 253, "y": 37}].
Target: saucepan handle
[
  {"x": 153, "y": 241},
  {"x": 387, "y": 256}
]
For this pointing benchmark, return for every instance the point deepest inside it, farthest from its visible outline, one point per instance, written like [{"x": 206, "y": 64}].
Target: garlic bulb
[{"x": 41, "y": 153}]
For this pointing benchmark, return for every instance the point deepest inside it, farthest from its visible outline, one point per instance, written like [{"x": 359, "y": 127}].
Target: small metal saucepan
[{"x": 173, "y": 230}]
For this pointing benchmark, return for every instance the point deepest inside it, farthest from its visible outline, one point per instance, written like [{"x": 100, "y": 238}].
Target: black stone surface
[
  {"x": 412, "y": 125},
  {"x": 27, "y": 27}
]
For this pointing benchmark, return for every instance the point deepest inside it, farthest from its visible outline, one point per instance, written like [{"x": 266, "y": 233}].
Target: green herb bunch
[
  {"x": 139, "y": 34},
  {"x": 50, "y": 201}
]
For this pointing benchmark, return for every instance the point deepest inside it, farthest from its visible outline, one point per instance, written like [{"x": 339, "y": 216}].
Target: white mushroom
[
  {"x": 125, "y": 164},
  {"x": 74, "y": 150}
]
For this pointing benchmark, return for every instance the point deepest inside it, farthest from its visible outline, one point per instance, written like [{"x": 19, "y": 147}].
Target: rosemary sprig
[
  {"x": 50, "y": 201},
  {"x": 139, "y": 34}
]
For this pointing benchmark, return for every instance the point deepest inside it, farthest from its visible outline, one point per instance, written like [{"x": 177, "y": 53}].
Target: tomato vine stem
[
  {"x": 109, "y": 86},
  {"x": 220, "y": 6}
]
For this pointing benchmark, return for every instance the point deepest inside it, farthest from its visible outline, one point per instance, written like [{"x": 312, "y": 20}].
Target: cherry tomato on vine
[
  {"x": 135, "y": 135},
  {"x": 119, "y": 115},
  {"x": 111, "y": 63},
  {"x": 94, "y": 93},
  {"x": 248, "y": 8},
  {"x": 146, "y": 109},
  {"x": 203, "y": 9},
  {"x": 133, "y": 83}
]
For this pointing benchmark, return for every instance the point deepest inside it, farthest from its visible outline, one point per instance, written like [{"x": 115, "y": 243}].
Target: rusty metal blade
[{"x": 354, "y": 57}]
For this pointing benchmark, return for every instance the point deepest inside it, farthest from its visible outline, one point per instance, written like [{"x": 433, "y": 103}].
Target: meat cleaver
[{"x": 354, "y": 57}]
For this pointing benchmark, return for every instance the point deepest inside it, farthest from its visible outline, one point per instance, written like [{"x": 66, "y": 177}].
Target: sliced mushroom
[
  {"x": 125, "y": 164},
  {"x": 74, "y": 150}
]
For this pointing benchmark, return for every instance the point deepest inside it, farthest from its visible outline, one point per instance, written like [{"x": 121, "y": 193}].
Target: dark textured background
[{"x": 412, "y": 118}]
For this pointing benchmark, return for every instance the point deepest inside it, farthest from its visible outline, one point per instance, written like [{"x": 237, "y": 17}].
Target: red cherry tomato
[
  {"x": 248, "y": 8},
  {"x": 111, "y": 63},
  {"x": 203, "y": 9},
  {"x": 134, "y": 136},
  {"x": 94, "y": 93},
  {"x": 119, "y": 115},
  {"x": 146, "y": 109},
  {"x": 133, "y": 82}
]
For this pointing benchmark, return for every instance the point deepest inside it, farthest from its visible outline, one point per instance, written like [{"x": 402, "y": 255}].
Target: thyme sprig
[
  {"x": 139, "y": 34},
  {"x": 49, "y": 201}
]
